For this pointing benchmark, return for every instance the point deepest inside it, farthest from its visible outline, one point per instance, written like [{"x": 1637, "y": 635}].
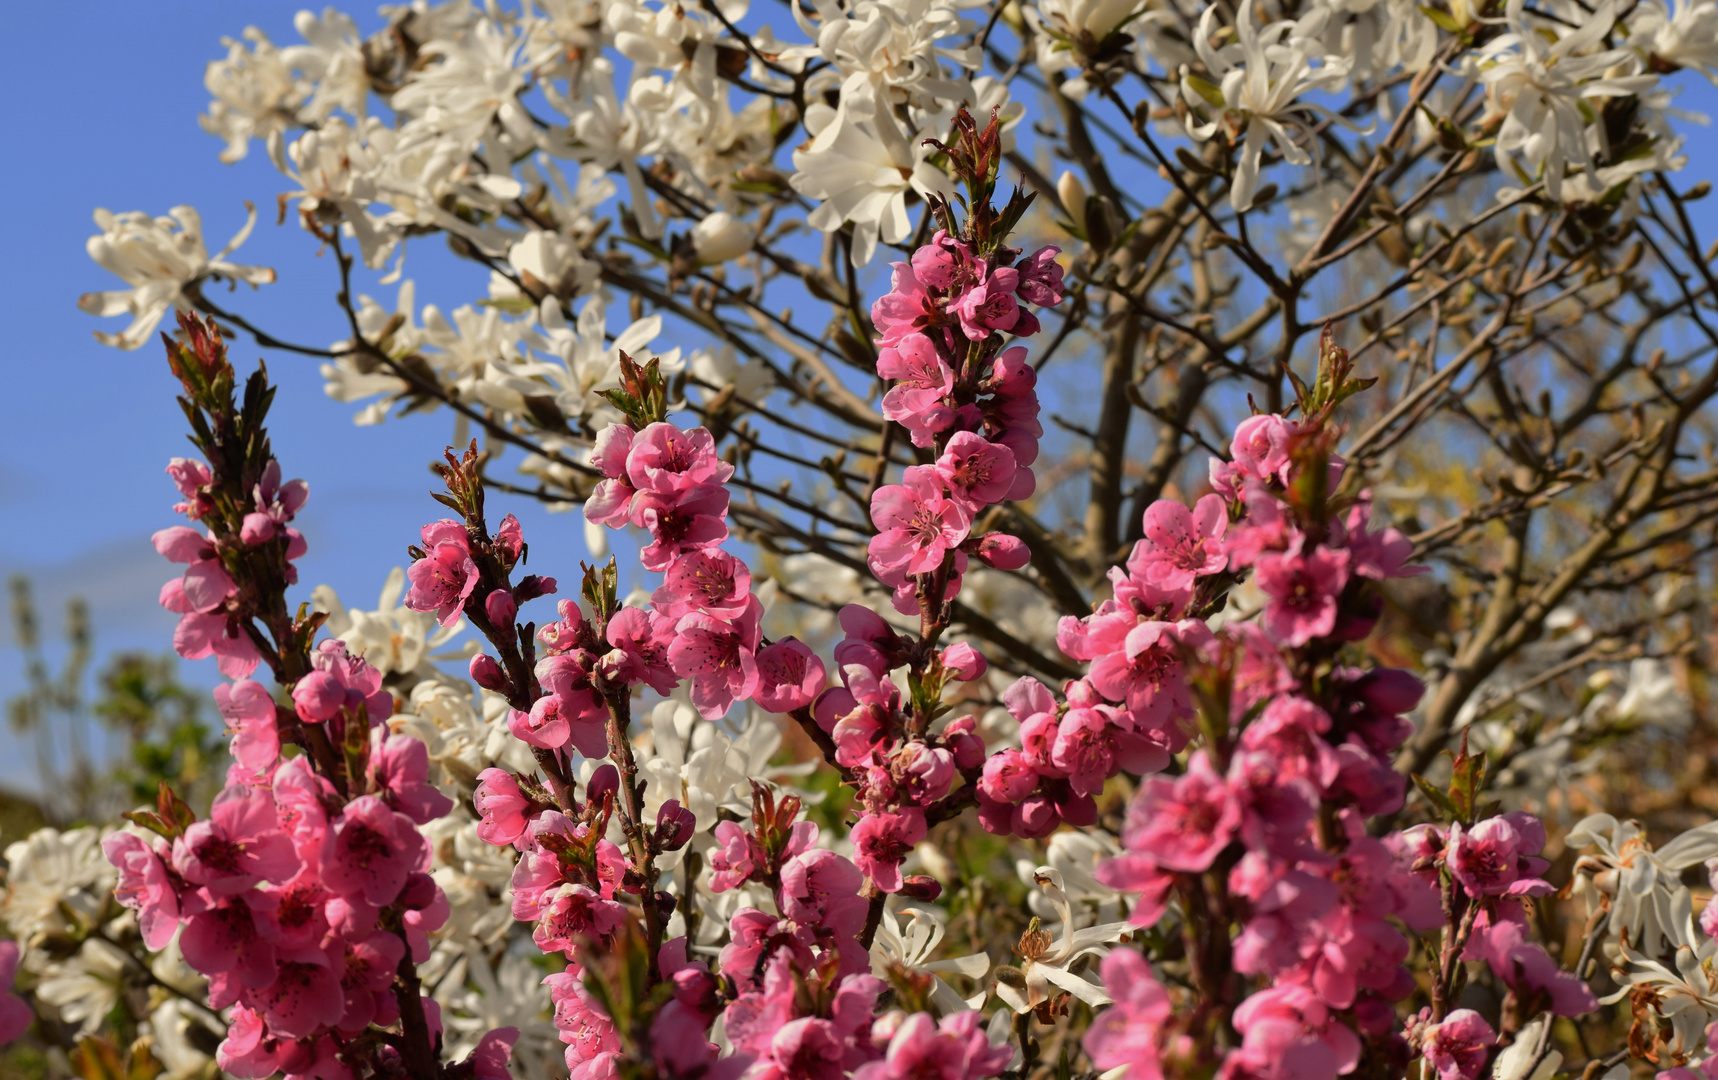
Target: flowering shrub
[{"x": 940, "y": 717}]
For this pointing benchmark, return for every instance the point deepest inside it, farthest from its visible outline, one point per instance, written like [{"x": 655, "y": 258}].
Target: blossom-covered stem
[{"x": 638, "y": 838}]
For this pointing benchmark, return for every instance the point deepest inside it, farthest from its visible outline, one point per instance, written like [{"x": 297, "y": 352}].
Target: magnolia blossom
[
  {"x": 1047, "y": 963},
  {"x": 1255, "y": 84},
  {"x": 1545, "y": 90},
  {"x": 160, "y": 259},
  {"x": 861, "y": 170}
]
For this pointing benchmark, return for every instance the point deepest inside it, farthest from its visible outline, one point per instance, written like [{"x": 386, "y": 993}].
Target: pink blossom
[
  {"x": 1261, "y": 447},
  {"x": 444, "y": 577},
  {"x": 206, "y": 583},
  {"x": 1008, "y": 777},
  {"x": 820, "y": 888},
  {"x": 1183, "y": 544},
  {"x": 299, "y": 796},
  {"x": 248, "y": 709},
  {"x": 1458, "y": 1047},
  {"x": 1183, "y": 823},
  {"x": 340, "y": 682},
  {"x": 399, "y": 770},
  {"x": 199, "y": 635},
  {"x": 1131, "y": 1031},
  {"x": 665, "y": 460},
  {"x": 710, "y": 580},
  {"x": 719, "y": 657},
  {"x": 1528, "y": 970},
  {"x": 191, "y": 478},
  {"x": 918, "y": 524},
  {"x": 145, "y": 887},
  {"x": 790, "y": 676},
  {"x": 1091, "y": 745},
  {"x": 1499, "y": 856},
  {"x": 1287, "y": 1034},
  {"x": 1041, "y": 277},
  {"x": 367, "y": 977},
  {"x": 736, "y": 857},
  {"x": 305, "y": 995},
  {"x": 222, "y": 935},
  {"x": 945, "y": 263},
  {"x": 610, "y": 503},
  {"x": 988, "y": 304},
  {"x": 904, "y": 310},
  {"x": 882, "y": 841},
  {"x": 641, "y": 641},
  {"x": 500, "y": 805},
  {"x": 249, "y": 1052},
  {"x": 956, "y": 1048},
  {"x": 1138, "y": 663},
  {"x": 572, "y": 913},
  {"x": 1302, "y": 591},
  {"x": 490, "y": 1058},
  {"x": 371, "y": 850},
  {"x": 239, "y": 845},
  {"x": 580, "y": 1020},
  {"x": 609, "y": 452},
  {"x": 299, "y": 915},
  {"x": 977, "y": 471},
  {"x": 921, "y": 379},
  {"x": 688, "y": 520}
]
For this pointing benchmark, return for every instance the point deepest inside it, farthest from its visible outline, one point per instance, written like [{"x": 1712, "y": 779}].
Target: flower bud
[
  {"x": 1073, "y": 196},
  {"x": 532, "y": 586},
  {"x": 487, "y": 673},
  {"x": 500, "y": 609},
  {"x": 674, "y": 825},
  {"x": 604, "y": 782},
  {"x": 721, "y": 236},
  {"x": 258, "y": 528},
  {"x": 920, "y": 887},
  {"x": 1002, "y": 551}
]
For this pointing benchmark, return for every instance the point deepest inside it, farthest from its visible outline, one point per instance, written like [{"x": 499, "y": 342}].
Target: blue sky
[{"x": 106, "y": 98}]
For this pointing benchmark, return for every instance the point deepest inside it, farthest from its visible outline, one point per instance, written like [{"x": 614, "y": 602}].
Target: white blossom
[
  {"x": 159, "y": 258},
  {"x": 1544, "y": 91},
  {"x": 908, "y": 940},
  {"x": 1047, "y": 960},
  {"x": 1260, "y": 78}
]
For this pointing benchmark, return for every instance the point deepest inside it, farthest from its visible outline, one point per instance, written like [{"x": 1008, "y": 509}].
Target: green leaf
[
  {"x": 1443, "y": 19},
  {"x": 1211, "y": 92},
  {"x": 1437, "y": 798}
]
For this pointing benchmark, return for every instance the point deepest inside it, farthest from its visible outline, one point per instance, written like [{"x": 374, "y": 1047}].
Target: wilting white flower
[
  {"x": 159, "y": 258},
  {"x": 862, "y": 173},
  {"x": 1542, "y": 91},
  {"x": 1047, "y": 961},
  {"x": 909, "y": 940},
  {"x": 1638, "y": 885},
  {"x": 1685, "y": 994},
  {"x": 1260, "y": 78}
]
